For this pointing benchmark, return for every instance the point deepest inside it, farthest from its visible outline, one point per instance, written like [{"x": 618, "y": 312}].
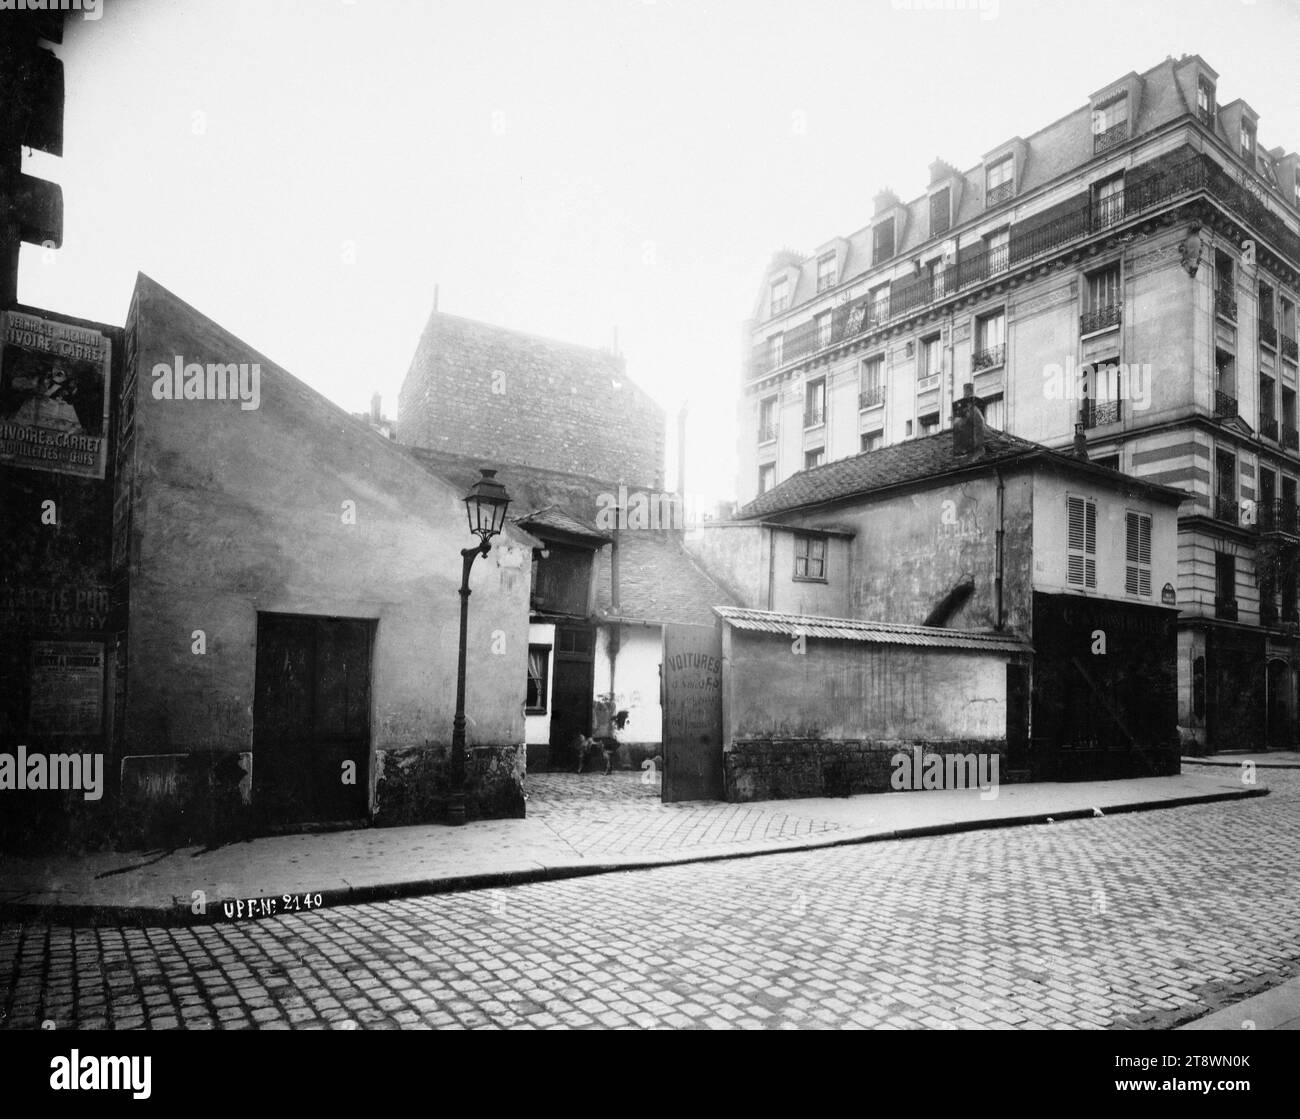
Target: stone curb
[
  {"x": 1228, "y": 762},
  {"x": 178, "y": 914}
]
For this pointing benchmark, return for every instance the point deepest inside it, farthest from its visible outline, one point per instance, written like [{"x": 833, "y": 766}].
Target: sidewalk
[
  {"x": 1276, "y": 1009},
  {"x": 1263, "y": 759},
  {"x": 620, "y": 826}
]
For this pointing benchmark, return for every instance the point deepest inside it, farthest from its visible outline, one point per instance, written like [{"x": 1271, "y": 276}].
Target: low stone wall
[
  {"x": 413, "y": 784},
  {"x": 773, "y": 769}
]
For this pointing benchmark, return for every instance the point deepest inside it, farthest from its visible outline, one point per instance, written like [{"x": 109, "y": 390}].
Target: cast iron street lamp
[{"x": 486, "y": 505}]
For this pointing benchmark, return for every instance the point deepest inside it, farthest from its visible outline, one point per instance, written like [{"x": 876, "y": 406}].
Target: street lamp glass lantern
[{"x": 486, "y": 505}]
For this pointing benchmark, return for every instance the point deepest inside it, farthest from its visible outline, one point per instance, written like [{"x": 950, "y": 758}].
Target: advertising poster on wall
[{"x": 54, "y": 394}]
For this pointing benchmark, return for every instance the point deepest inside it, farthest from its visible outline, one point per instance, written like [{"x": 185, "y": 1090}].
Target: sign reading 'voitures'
[{"x": 54, "y": 382}]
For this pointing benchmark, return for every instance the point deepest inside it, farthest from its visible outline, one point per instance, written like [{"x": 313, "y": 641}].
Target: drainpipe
[
  {"x": 997, "y": 562},
  {"x": 771, "y": 564}
]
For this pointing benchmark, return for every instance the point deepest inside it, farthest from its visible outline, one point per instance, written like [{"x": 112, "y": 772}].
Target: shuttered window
[
  {"x": 1137, "y": 570},
  {"x": 1082, "y": 549}
]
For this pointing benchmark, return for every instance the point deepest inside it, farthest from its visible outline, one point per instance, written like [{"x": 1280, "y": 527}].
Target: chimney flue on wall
[
  {"x": 681, "y": 451},
  {"x": 1080, "y": 443},
  {"x": 376, "y": 411},
  {"x": 969, "y": 431}
]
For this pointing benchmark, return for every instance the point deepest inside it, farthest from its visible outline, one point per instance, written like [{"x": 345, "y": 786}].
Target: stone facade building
[{"x": 1134, "y": 266}]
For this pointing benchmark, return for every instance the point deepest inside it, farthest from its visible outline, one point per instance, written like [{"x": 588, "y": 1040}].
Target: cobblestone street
[{"x": 1140, "y": 920}]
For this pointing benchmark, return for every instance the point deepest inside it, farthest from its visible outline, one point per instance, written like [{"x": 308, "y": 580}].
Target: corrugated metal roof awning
[{"x": 880, "y": 633}]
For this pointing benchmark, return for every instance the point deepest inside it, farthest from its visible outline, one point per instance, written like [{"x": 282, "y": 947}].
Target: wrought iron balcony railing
[
  {"x": 1225, "y": 404},
  {"x": 814, "y": 417},
  {"x": 1190, "y": 174},
  {"x": 1113, "y": 136},
  {"x": 1097, "y": 413},
  {"x": 1206, "y": 115},
  {"x": 869, "y": 398},
  {"x": 1288, "y": 347},
  {"x": 1227, "y": 509},
  {"x": 1268, "y": 428},
  {"x": 1226, "y": 608},
  {"x": 1278, "y": 516},
  {"x": 766, "y": 433},
  {"x": 989, "y": 358},
  {"x": 998, "y": 194},
  {"x": 1290, "y": 438},
  {"x": 1268, "y": 334},
  {"x": 1102, "y": 318}
]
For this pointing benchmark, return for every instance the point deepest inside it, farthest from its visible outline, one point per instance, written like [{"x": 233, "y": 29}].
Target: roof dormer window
[
  {"x": 882, "y": 241},
  {"x": 825, "y": 271},
  {"x": 1110, "y": 123},
  {"x": 1205, "y": 101},
  {"x": 940, "y": 211},
  {"x": 1247, "y": 140},
  {"x": 780, "y": 295},
  {"x": 1000, "y": 182}
]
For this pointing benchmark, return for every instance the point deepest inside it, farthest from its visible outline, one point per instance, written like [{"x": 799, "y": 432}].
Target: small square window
[
  {"x": 872, "y": 440},
  {"x": 810, "y": 558},
  {"x": 814, "y": 458}
]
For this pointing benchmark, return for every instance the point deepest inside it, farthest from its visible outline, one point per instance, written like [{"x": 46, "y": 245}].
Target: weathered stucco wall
[
  {"x": 240, "y": 510},
  {"x": 828, "y": 719}
]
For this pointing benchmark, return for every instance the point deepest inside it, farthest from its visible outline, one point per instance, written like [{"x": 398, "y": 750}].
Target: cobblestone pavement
[
  {"x": 619, "y": 814},
  {"x": 1143, "y": 919}
]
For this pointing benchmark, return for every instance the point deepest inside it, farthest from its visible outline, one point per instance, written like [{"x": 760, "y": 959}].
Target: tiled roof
[
  {"x": 878, "y": 633},
  {"x": 658, "y": 581},
  {"x": 559, "y": 521},
  {"x": 911, "y": 460}
]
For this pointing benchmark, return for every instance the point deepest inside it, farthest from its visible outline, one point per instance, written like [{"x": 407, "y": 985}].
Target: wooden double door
[{"x": 311, "y": 720}]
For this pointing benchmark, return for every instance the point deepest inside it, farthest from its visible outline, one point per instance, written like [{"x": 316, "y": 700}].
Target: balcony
[
  {"x": 1268, "y": 428},
  {"x": 1103, "y": 318},
  {"x": 1290, "y": 438},
  {"x": 1226, "y": 608},
  {"x": 871, "y": 398},
  {"x": 1001, "y": 193},
  {"x": 1288, "y": 347},
  {"x": 1268, "y": 334},
  {"x": 1278, "y": 517},
  {"x": 767, "y": 433},
  {"x": 1206, "y": 116},
  {"x": 1096, "y": 413},
  {"x": 814, "y": 417},
  {"x": 1227, "y": 509},
  {"x": 1190, "y": 175},
  {"x": 1225, "y": 405},
  {"x": 989, "y": 358},
  {"x": 1112, "y": 137}
]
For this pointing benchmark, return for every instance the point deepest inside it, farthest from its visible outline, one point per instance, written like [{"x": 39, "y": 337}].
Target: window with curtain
[{"x": 539, "y": 659}]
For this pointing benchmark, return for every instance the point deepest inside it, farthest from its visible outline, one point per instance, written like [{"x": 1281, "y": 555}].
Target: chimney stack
[
  {"x": 969, "y": 431},
  {"x": 376, "y": 412},
  {"x": 681, "y": 452},
  {"x": 1080, "y": 443}
]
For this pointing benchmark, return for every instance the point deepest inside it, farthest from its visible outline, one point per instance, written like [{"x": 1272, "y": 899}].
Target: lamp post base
[{"x": 456, "y": 809}]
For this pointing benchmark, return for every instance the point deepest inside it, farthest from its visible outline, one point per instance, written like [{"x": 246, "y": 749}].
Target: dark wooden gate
[
  {"x": 311, "y": 716},
  {"x": 691, "y": 677},
  {"x": 571, "y": 692}
]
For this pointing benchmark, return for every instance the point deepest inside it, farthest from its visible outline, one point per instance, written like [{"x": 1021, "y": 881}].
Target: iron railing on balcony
[
  {"x": 1227, "y": 509},
  {"x": 1206, "y": 115},
  {"x": 1225, "y": 305},
  {"x": 989, "y": 358},
  {"x": 1096, "y": 413},
  {"x": 1225, "y": 404},
  {"x": 1291, "y": 438},
  {"x": 1278, "y": 516},
  {"x": 766, "y": 433},
  {"x": 1268, "y": 428},
  {"x": 1189, "y": 175},
  {"x": 1226, "y": 608},
  {"x": 1102, "y": 318},
  {"x": 1114, "y": 135},
  {"x": 998, "y": 194},
  {"x": 1268, "y": 334},
  {"x": 869, "y": 398},
  {"x": 814, "y": 417},
  {"x": 1288, "y": 347}
]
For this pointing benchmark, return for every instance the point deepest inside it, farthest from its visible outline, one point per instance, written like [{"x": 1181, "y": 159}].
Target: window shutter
[
  {"x": 1081, "y": 567},
  {"x": 1137, "y": 577}
]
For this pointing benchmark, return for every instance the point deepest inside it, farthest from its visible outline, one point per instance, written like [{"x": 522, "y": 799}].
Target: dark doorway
[
  {"x": 571, "y": 692},
  {"x": 1279, "y": 708},
  {"x": 311, "y": 717},
  {"x": 1017, "y": 717}
]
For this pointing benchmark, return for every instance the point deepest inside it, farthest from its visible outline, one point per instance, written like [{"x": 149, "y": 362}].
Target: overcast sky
[{"x": 305, "y": 171}]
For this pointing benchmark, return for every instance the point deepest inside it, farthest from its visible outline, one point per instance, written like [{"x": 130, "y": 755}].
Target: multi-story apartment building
[{"x": 1134, "y": 267}]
